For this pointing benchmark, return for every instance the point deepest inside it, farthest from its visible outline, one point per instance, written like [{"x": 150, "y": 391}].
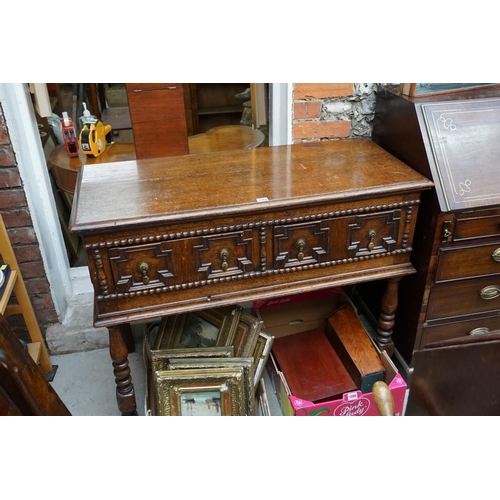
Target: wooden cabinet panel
[
  {"x": 459, "y": 330},
  {"x": 468, "y": 262},
  {"x": 156, "y": 105},
  {"x": 482, "y": 225},
  {"x": 138, "y": 87},
  {"x": 157, "y": 139},
  {"x": 158, "y": 119},
  {"x": 464, "y": 297}
]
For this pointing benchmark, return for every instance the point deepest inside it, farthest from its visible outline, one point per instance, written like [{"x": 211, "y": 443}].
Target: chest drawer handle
[
  {"x": 496, "y": 255},
  {"x": 479, "y": 331},
  {"x": 490, "y": 292},
  {"x": 223, "y": 255},
  {"x": 300, "y": 244},
  {"x": 372, "y": 234},
  {"x": 144, "y": 268}
]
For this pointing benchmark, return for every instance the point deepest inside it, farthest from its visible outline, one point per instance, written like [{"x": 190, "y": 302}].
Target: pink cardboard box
[{"x": 352, "y": 404}]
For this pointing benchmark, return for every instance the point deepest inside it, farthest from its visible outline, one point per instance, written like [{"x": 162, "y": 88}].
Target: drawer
[
  {"x": 181, "y": 261},
  {"x": 138, "y": 87},
  {"x": 468, "y": 262},
  {"x": 477, "y": 226},
  {"x": 335, "y": 239},
  {"x": 159, "y": 139},
  {"x": 461, "y": 298},
  {"x": 459, "y": 330},
  {"x": 156, "y": 105}
]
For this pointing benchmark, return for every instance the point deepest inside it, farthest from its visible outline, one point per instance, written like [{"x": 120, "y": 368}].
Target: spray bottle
[
  {"x": 87, "y": 118},
  {"x": 69, "y": 135}
]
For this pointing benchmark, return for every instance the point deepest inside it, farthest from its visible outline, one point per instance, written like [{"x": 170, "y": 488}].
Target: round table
[
  {"x": 224, "y": 138},
  {"x": 65, "y": 169}
]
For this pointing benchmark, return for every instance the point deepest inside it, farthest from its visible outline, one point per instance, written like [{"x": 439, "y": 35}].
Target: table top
[
  {"x": 224, "y": 138},
  {"x": 200, "y": 186}
]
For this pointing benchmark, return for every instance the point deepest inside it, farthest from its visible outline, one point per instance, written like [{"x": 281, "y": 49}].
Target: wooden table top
[{"x": 200, "y": 186}]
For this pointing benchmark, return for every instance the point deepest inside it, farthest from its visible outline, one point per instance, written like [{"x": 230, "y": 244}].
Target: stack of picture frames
[{"x": 207, "y": 362}]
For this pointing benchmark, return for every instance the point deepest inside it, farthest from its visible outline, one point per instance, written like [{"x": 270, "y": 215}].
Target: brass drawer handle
[
  {"x": 496, "y": 255},
  {"x": 479, "y": 331},
  {"x": 490, "y": 292},
  {"x": 372, "y": 234},
  {"x": 143, "y": 269},
  {"x": 300, "y": 245},
  {"x": 223, "y": 255}
]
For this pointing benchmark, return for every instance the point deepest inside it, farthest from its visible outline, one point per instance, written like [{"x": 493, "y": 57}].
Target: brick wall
[
  {"x": 326, "y": 111},
  {"x": 16, "y": 216}
]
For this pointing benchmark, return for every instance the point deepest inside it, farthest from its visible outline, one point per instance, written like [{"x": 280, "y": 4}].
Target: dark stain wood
[
  {"x": 24, "y": 390},
  {"x": 177, "y": 234},
  {"x": 455, "y": 238}
]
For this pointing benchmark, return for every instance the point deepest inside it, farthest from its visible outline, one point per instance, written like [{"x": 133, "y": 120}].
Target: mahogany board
[
  {"x": 354, "y": 347},
  {"x": 311, "y": 367}
]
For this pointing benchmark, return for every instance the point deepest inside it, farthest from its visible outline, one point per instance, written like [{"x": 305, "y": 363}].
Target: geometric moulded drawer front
[{"x": 148, "y": 266}]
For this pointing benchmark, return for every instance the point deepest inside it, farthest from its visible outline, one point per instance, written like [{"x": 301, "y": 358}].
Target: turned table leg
[
  {"x": 387, "y": 315},
  {"x": 119, "y": 344}
]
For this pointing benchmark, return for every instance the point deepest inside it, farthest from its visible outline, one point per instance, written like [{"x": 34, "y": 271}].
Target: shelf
[
  {"x": 220, "y": 110},
  {"x": 7, "y": 292},
  {"x": 34, "y": 350}
]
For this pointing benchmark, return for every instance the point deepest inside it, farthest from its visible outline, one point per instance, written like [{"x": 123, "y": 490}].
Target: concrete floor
[{"x": 86, "y": 384}]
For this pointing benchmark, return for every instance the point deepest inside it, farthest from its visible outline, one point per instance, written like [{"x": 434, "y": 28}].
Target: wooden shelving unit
[{"x": 21, "y": 303}]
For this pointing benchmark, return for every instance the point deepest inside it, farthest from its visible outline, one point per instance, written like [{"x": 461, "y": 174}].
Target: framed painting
[
  {"x": 246, "y": 364},
  {"x": 192, "y": 392},
  {"x": 246, "y": 336},
  {"x": 261, "y": 355},
  {"x": 158, "y": 359},
  {"x": 199, "y": 329},
  {"x": 427, "y": 89}
]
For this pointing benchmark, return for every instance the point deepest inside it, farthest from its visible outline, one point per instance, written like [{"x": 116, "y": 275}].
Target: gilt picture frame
[
  {"x": 209, "y": 364},
  {"x": 261, "y": 355},
  {"x": 247, "y": 334},
  {"x": 192, "y": 392},
  {"x": 199, "y": 329}
]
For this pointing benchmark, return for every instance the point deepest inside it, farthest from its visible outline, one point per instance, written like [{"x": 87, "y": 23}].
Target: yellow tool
[{"x": 93, "y": 138}]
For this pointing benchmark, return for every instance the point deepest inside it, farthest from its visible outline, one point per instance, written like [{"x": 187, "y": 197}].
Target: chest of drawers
[
  {"x": 169, "y": 235},
  {"x": 453, "y": 140}
]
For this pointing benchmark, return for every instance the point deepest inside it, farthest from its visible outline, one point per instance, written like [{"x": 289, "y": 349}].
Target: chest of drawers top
[{"x": 120, "y": 196}]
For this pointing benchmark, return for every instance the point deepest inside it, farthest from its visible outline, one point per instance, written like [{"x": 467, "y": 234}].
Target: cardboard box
[
  {"x": 351, "y": 404},
  {"x": 292, "y": 314}
]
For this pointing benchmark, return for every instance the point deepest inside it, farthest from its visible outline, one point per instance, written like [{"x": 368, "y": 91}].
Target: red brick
[
  {"x": 16, "y": 218},
  {"x": 7, "y": 157},
  {"x": 33, "y": 269},
  {"x": 4, "y": 135},
  {"x": 319, "y": 130},
  {"x": 22, "y": 236},
  {"x": 321, "y": 90},
  {"x": 306, "y": 109},
  {"x": 12, "y": 198},
  {"x": 36, "y": 286},
  {"x": 27, "y": 253},
  {"x": 9, "y": 177}
]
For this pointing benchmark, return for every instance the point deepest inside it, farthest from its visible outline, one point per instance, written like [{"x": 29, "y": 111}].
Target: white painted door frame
[{"x": 70, "y": 286}]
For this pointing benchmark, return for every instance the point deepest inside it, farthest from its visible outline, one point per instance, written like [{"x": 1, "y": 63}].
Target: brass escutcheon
[
  {"x": 143, "y": 269},
  {"x": 371, "y": 235},
  {"x": 223, "y": 255},
  {"x": 496, "y": 255},
  {"x": 490, "y": 292},
  {"x": 300, "y": 244}
]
